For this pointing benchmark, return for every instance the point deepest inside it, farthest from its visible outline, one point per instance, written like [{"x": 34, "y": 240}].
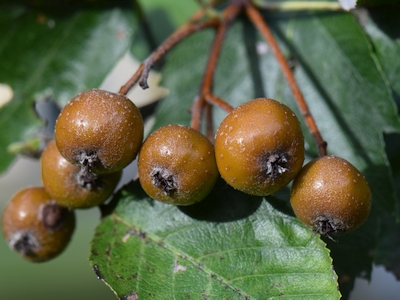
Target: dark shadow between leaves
[
  {"x": 155, "y": 27},
  {"x": 131, "y": 188},
  {"x": 280, "y": 205},
  {"x": 387, "y": 19},
  {"x": 387, "y": 251},
  {"x": 250, "y": 38},
  {"x": 223, "y": 204}
]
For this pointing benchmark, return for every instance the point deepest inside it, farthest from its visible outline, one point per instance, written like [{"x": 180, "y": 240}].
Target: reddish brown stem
[
  {"x": 205, "y": 88},
  {"x": 182, "y": 32},
  {"x": 258, "y": 21},
  {"x": 214, "y": 100},
  {"x": 230, "y": 13}
]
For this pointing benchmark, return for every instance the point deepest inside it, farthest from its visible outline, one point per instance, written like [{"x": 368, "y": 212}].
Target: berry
[
  {"x": 99, "y": 131},
  {"x": 331, "y": 195},
  {"x": 35, "y": 226},
  {"x": 70, "y": 187},
  {"x": 177, "y": 165},
  {"x": 259, "y": 147}
]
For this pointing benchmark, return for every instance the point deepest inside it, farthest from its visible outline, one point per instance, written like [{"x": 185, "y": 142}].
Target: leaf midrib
[{"x": 195, "y": 261}]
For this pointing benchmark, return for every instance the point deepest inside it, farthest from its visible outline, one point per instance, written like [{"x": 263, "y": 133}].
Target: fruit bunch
[
  {"x": 259, "y": 149},
  {"x": 97, "y": 134}
]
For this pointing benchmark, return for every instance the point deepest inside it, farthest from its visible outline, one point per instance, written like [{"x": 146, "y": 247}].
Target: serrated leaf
[
  {"x": 147, "y": 249},
  {"x": 52, "y": 54}
]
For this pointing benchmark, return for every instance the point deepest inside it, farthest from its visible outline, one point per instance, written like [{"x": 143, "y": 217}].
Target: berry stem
[
  {"x": 206, "y": 85},
  {"x": 205, "y": 89},
  {"x": 214, "y": 100},
  {"x": 258, "y": 21},
  {"x": 181, "y": 33}
]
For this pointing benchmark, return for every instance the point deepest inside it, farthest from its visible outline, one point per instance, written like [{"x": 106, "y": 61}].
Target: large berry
[
  {"x": 71, "y": 187},
  {"x": 177, "y": 165},
  {"x": 331, "y": 195},
  {"x": 35, "y": 226},
  {"x": 259, "y": 147},
  {"x": 99, "y": 131}
]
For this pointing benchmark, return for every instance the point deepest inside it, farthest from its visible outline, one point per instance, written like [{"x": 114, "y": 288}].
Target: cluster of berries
[
  {"x": 259, "y": 149},
  {"x": 97, "y": 134}
]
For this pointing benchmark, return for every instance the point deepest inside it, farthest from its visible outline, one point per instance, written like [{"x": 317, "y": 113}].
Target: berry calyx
[
  {"x": 35, "y": 226},
  {"x": 331, "y": 195},
  {"x": 259, "y": 147}
]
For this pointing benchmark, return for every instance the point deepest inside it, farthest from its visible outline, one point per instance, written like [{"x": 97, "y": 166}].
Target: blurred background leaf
[{"x": 54, "y": 53}]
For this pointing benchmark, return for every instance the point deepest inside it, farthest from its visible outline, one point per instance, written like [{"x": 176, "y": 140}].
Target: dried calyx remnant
[
  {"x": 85, "y": 177},
  {"x": 327, "y": 226},
  {"x": 164, "y": 180},
  {"x": 52, "y": 217},
  {"x": 24, "y": 242},
  {"x": 276, "y": 164}
]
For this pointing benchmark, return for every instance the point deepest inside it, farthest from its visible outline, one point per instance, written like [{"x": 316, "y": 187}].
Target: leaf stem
[{"x": 258, "y": 21}]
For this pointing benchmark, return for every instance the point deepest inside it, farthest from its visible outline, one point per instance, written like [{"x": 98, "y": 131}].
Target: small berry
[
  {"x": 35, "y": 226},
  {"x": 99, "y": 131},
  {"x": 69, "y": 186},
  {"x": 331, "y": 195},
  {"x": 177, "y": 165},
  {"x": 259, "y": 147}
]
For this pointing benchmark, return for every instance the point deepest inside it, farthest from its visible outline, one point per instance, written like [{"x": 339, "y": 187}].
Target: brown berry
[
  {"x": 331, "y": 195},
  {"x": 99, "y": 131},
  {"x": 177, "y": 165},
  {"x": 69, "y": 186},
  {"x": 259, "y": 147},
  {"x": 35, "y": 226}
]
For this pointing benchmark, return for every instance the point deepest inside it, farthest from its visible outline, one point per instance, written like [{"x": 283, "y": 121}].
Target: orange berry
[
  {"x": 35, "y": 226},
  {"x": 259, "y": 147},
  {"x": 177, "y": 165},
  {"x": 331, "y": 195}
]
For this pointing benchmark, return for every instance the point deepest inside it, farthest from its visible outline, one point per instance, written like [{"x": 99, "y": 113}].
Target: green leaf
[
  {"x": 147, "y": 249},
  {"x": 52, "y": 54},
  {"x": 380, "y": 26},
  {"x": 159, "y": 20}
]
